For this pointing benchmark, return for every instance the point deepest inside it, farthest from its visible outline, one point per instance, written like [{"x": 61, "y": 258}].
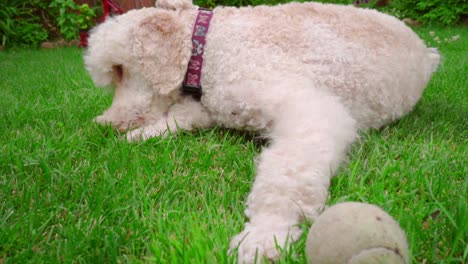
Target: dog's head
[{"x": 143, "y": 55}]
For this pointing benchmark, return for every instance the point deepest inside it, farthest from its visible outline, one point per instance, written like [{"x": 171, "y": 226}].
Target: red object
[
  {"x": 83, "y": 39},
  {"x": 109, "y": 8}
]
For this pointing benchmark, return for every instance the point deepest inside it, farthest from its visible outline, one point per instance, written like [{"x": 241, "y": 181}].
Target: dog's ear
[
  {"x": 174, "y": 4},
  {"x": 162, "y": 45}
]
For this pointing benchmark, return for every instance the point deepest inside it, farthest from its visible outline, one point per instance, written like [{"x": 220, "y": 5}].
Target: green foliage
[
  {"x": 71, "y": 17},
  {"x": 444, "y": 12},
  {"x": 32, "y": 22},
  {"x": 20, "y": 24}
]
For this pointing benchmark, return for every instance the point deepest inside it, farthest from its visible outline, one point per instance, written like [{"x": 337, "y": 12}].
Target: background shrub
[
  {"x": 31, "y": 22},
  {"x": 71, "y": 18},
  {"x": 34, "y": 21},
  {"x": 442, "y": 12},
  {"x": 20, "y": 23}
]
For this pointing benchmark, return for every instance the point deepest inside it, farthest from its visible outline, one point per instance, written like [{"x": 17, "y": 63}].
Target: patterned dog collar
[{"x": 192, "y": 81}]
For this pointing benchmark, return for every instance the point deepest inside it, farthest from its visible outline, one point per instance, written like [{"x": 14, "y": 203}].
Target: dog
[{"x": 308, "y": 76}]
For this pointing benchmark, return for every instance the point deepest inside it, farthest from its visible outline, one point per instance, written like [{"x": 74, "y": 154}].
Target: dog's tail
[{"x": 434, "y": 57}]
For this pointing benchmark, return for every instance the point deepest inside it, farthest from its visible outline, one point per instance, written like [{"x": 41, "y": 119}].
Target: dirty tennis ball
[{"x": 356, "y": 233}]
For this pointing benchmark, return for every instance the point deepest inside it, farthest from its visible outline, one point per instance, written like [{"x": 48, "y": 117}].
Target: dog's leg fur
[
  {"x": 294, "y": 172},
  {"x": 186, "y": 115}
]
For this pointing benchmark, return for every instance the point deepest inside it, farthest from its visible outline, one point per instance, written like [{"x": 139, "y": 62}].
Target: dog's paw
[
  {"x": 102, "y": 119},
  {"x": 263, "y": 241},
  {"x": 145, "y": 133},
  {"x": 106, "y": 120}
]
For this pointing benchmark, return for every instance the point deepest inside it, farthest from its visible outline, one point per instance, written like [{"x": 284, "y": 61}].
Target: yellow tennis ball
[{"x": 356, "y": 233}]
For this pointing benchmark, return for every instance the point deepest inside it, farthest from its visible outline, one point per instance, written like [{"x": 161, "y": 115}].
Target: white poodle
[{"x": 306, "y": 75}]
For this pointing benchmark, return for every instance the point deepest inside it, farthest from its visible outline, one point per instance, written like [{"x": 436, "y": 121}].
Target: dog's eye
[{"x": 118, "y": 72}]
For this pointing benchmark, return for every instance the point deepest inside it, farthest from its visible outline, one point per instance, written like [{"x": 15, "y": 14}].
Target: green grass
[{"x": 71, "y": 191}]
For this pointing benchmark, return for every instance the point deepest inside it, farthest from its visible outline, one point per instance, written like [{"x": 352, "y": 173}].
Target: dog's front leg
[
  {"x": 309, "y": 139},
  {"x": 186, "y": 115}
]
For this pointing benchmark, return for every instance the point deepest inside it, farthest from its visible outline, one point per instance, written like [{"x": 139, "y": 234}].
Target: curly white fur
[{"x": 308, "y": 76}]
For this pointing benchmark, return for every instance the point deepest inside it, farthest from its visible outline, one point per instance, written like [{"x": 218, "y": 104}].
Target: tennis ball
[{"x": 356, "y": 233}]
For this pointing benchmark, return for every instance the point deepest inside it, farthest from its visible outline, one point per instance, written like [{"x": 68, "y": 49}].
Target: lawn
[{"x": 72, "y": 191}]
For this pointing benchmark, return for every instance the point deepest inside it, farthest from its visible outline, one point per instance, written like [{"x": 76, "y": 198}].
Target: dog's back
[{"x": 377, "y": 65}]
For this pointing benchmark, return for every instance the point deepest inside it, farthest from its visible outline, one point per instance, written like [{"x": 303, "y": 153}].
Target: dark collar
[{"x": 192, "y": 81}]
